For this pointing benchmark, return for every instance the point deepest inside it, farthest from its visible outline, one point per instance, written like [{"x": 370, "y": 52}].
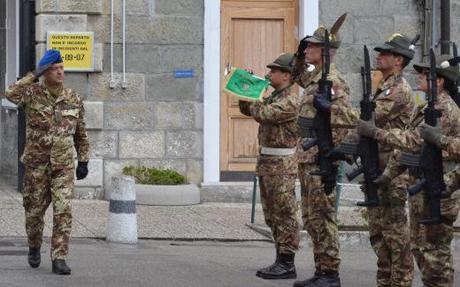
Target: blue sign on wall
[{"x": 184, "y": 73}]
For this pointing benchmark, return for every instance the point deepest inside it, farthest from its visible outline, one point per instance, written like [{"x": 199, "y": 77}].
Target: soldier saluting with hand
[{"x": 55, "y": 125}]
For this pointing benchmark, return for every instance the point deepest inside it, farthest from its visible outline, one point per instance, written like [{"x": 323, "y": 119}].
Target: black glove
[
  {"x": 383, "y": 182},
  {"x": 321, "y": 103},
  {"x": 82, "y": 170},
  {"x": 302, "y": 46},
  {"x": 39, "y": 71}
]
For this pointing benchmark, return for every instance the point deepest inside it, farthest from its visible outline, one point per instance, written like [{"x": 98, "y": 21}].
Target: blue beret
[{"x": 51, "y": 57}]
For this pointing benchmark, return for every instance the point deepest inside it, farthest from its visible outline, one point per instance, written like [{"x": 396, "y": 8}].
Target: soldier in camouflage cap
[
  {"x": 55, "y": 125},
  {"x": 430, "y": 244},
  {"x": 319, "y": 37},
  {"x": 318, "y": 208},
  {"x": 398, "y": 44},
  {"x": 388, "y": 226},
  {"x": 277, "y": 165}
]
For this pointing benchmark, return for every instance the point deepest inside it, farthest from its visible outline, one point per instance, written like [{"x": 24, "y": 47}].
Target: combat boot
[
  {"x": 307, "y": 282},
  {"x": 283, "y": 268},
  {"x": 327, "y": 280},
  {"x": 60, "y": 267},
  {"x": 34, "y": 257}
]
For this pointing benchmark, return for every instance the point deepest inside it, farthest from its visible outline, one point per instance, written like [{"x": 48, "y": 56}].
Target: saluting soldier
[
  {"x": 431, "y": 243},
  {"x": 55, "y": 125},
  {"x": 318, "y": 207},
  {"x": 277, "y": 164}
]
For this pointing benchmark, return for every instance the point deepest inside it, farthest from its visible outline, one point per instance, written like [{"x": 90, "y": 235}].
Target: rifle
[
  {"x": 367, "y": 149},
  {"x": 322, "y": 126},
  {"x": 431, "y": 156}
]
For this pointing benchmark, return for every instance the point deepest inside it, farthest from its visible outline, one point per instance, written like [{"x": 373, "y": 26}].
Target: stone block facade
[
  {"x": 2, "y": 66},
  {"x": 156, "y": 120}
]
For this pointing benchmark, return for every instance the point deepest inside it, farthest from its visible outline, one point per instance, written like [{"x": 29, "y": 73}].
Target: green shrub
[{"x": 144, "y": 175}]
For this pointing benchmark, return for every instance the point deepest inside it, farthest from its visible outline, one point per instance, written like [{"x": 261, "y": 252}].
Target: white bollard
[{"x": 122, "y": 223}]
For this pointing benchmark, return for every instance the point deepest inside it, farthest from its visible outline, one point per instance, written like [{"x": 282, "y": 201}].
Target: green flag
[{"x": 245, "y": 85}]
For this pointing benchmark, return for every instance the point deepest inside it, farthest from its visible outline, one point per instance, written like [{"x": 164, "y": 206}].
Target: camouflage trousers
[
  {"x": 43, "y": 186},
  {"x": 390, "y": 236},
  {"x": 431, "y": 244},
  {"x": 319, "y": 218},
  {"x": 277, "y": 194}
]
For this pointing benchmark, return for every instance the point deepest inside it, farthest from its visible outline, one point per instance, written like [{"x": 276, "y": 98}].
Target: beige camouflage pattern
[
  {"x": 430, "y": 244},
  {"x": 277, "y": 194},
  {"x": 341, "y": 115},
  {"x": 409, "y": 139},
  {"x": 451, "y": 144},
  {"x": 42, "y": 186},
  {"x": 437, "y": 256},
  {"x": 394, "y": 102},
  {"x": 55, "y": 123},
  {"x": 319, "y": 218},
  {"x": 277, "y": 118},
  {"x": 318, "y": 209},
  {"x": 389, "y": 234},
  {"x": 54, "y": 126}
]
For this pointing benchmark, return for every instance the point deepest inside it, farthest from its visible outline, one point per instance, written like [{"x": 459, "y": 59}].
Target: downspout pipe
[
  {"x": 445, "y": 26},
  {"x": 26, "y": 64},
  {"x": 112, "y": 80},
  {"x": 124, "y": 84}
]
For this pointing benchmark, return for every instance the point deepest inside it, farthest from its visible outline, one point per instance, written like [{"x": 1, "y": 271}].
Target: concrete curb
[
  {"x": 241, "y": 192},
  {"x": 348, "y": 239}
]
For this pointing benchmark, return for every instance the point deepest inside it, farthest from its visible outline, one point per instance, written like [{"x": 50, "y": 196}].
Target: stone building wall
[
  {"x": 2, "y": 58},
  {"x": 157, "y": 119},
  {"x": 370, "y": 23}
]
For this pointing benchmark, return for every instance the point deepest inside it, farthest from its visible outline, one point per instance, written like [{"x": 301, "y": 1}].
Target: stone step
[{"x": 243, "y": 192}]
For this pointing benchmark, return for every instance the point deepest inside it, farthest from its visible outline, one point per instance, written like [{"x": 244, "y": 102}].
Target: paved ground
[
  {"x": 171, "y": 264},
  {"x": 210, "y": 244}
]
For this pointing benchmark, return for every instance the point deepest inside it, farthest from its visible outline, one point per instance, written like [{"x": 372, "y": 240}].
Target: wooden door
[{"x": 253, "y": 33}]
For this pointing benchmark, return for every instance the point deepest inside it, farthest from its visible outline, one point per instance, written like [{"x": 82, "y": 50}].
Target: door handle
[{"x": 227, "y": 69}]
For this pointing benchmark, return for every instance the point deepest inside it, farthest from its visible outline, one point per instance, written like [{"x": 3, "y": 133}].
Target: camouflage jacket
[
  {"x": 409, "y": 140},
  {"x": 341, "y": 103},
  {"x": 55, "y": 124},
  {"x": 277, "y": 118},
  {"x": 451, "y": 144}
]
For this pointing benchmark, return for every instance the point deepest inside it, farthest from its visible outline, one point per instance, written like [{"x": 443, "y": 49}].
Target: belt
[{"x": 277, "y": 151}]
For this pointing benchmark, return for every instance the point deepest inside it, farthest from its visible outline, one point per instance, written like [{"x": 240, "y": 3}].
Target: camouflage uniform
[
  {"x": 318, "y": 208},
  {"x": 277, "y": 116},
  {"x": 430, "y": 244},
  {"x": 55, "y": 124},
  {"x": 388, "y": 226},
  {"x": 452, "y": 146}
]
